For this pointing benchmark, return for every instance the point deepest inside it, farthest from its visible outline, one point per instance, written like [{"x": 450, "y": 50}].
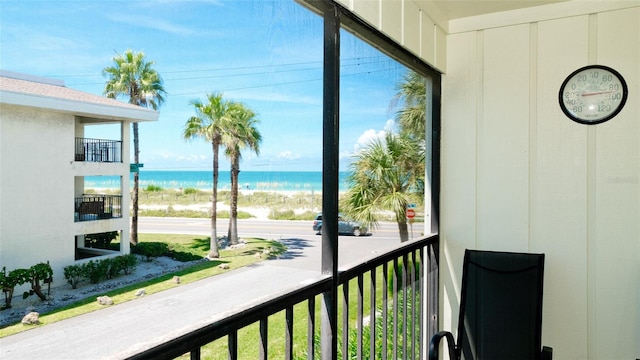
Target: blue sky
[{"x": 266, "y": 54}]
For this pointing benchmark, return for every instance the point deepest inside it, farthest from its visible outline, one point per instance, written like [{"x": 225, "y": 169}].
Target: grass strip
[{"x": 235, "y": 259}]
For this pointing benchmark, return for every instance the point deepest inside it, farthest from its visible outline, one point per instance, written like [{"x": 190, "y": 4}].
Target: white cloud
[
  {"x": 371, "y": 135},
  {"x": 288, "y": 155},
  {"x": 390, "y": 125},
  {"x": 367, "y": 138},
  {"x": 345, "y": 154},
  {"x": 153, "y": 23}
]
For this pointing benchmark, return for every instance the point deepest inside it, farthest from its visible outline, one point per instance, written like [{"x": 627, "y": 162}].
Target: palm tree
[
  {"x": 411, "y": 118},
  {"x": 131, "y": 75},
  {"x": 241, "y": 133},
  {"x": 209, "y": 123},
  {"x": 386, "y": 175}
]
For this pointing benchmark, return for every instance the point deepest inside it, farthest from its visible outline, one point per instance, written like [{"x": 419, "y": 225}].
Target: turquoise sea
[{"x": 251, "y": 180}]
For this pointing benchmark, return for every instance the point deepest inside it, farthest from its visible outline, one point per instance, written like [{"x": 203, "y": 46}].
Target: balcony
[
  {"x": 400, "y": 316},
  {"x": 98, "y": 150},
  {"x": 98, "y": 207}
]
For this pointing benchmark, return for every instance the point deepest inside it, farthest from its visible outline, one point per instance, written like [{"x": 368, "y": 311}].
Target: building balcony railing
[
  {"x": 98, "y": 207},
  {"x": 400, "y": 286},
  {"x": 98, "y": 150}
]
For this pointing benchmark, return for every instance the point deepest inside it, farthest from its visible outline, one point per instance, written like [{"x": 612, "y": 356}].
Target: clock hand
[{"x": 597, "y": 93}]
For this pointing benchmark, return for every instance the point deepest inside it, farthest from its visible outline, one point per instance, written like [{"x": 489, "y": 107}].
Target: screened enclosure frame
[{"x": 337, "y": 17}]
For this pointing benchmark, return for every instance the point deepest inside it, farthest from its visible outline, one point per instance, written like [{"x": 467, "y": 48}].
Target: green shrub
[
  {"x": 9, "y": 281},
  {"x": 190, "y": 191},
  {"x": 283, "y": 215},
  {"x": 112, "y": 267},
  {"x": 183, "y": 253},
  {"x": 150, "y": 250},
  {"x": 36, "y": 274},
  {"x": 14, "y": 278},
  {"x": 152, "y": 188},
  {"x": 97, "y": 270},
  {"x": 128, "y": 263},
  {"x": 94, "y": 271},
  {"x": 74, "y": 274},
  {"x": 291, "y": 215}
]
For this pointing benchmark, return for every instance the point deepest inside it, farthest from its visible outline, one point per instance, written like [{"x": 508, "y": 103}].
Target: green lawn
[
  {"x": 248, "y": 338},
  {"x": 187, "y": 243}
]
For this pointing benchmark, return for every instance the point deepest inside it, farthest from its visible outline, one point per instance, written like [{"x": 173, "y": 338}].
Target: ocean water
[{"x": 251, "y": 180}]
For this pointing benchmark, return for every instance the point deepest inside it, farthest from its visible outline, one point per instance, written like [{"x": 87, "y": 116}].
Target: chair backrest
[{"x": 501, "y": 306}]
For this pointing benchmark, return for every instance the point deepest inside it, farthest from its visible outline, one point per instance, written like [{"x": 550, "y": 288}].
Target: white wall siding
[
  {"x": 615, "y": 237},
  {"x": 518, "y": 175},
  {"x": 559, "y": 194},
  {"x": 404, "y": 22},
  {"x": 459, "y": 202},
  {"x": 503, "y": 142}
]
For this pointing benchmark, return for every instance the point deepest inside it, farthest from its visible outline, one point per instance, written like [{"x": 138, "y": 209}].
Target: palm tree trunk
[
  {"x": 213, "y": 242},
  {"x": 233, "y": 211},
  {"x": 136, "y": 181},
  {"x": 404, "y": 231}
]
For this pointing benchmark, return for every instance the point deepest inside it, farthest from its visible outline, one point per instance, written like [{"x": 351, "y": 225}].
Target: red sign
[{"x": 411, "y": 213}]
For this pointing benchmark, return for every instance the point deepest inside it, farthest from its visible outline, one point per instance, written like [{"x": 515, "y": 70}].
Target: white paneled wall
[
  {"x": 406, "y": 23},
  {"x": 517, "y": 175}
]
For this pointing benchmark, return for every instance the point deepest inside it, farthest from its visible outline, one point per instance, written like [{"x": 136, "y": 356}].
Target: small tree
[
  {"x": 8, "y": 282},
  {"x": 208, "y": 124},
  {"x": 239, "y": 134},
  {"x": 387, "y": 175},
  {"x": 35, "y": 275},
  {"x": 132, "y": 76},
  {"x": 74, "y": 274}
]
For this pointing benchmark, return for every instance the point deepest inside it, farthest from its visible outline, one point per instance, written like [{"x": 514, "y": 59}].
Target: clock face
[{"x": 593, "y": 94}]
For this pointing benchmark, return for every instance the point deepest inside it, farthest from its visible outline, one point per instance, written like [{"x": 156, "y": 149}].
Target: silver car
[{"x": 345, "y": 226}]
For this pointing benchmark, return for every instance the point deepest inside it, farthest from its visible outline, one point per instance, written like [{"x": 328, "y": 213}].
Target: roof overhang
[
  {"x": 79, "y": 108},
  {"x": 52, "y": 95}
]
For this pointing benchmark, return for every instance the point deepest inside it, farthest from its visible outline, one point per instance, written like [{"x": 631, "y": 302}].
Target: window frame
[{"x": 335, "y": 18}]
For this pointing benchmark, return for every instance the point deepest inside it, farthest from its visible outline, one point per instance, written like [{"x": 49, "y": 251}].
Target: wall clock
[{"x": 593, "y": 94}]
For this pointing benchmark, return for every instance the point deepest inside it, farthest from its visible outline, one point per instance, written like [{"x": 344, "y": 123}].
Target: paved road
[
  {"x": 271, "y": 229},
  {"x": 108, "y": 333},
  {"x": 303, "y": 243}
]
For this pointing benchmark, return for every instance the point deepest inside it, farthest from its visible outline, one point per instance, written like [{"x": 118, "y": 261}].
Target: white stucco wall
[
  {"x": 37, "y": 189},
  {"x": 518, "y": 175}
]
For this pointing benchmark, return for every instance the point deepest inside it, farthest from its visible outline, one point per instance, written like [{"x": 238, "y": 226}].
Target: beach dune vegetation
[{"x": 153, "y": 188}]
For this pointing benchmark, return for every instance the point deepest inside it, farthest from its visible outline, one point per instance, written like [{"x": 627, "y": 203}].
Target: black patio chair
[{"x": 500, "y": 309}]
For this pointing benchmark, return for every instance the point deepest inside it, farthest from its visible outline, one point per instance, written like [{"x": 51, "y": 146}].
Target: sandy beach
[{"x": 260, "y": 204}]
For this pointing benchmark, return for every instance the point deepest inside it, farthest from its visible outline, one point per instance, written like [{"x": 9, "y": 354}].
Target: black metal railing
[
  {"x": 401, "y": 315},
  {"x": 98, "y": 150},
  {"x": 98, "y": 207}
]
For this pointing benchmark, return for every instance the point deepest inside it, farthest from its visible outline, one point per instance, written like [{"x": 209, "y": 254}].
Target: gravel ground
[{"x": 63, "y": 295}]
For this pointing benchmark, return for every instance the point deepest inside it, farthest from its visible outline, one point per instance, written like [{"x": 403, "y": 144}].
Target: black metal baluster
[{"x": 288, "y": 351}]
